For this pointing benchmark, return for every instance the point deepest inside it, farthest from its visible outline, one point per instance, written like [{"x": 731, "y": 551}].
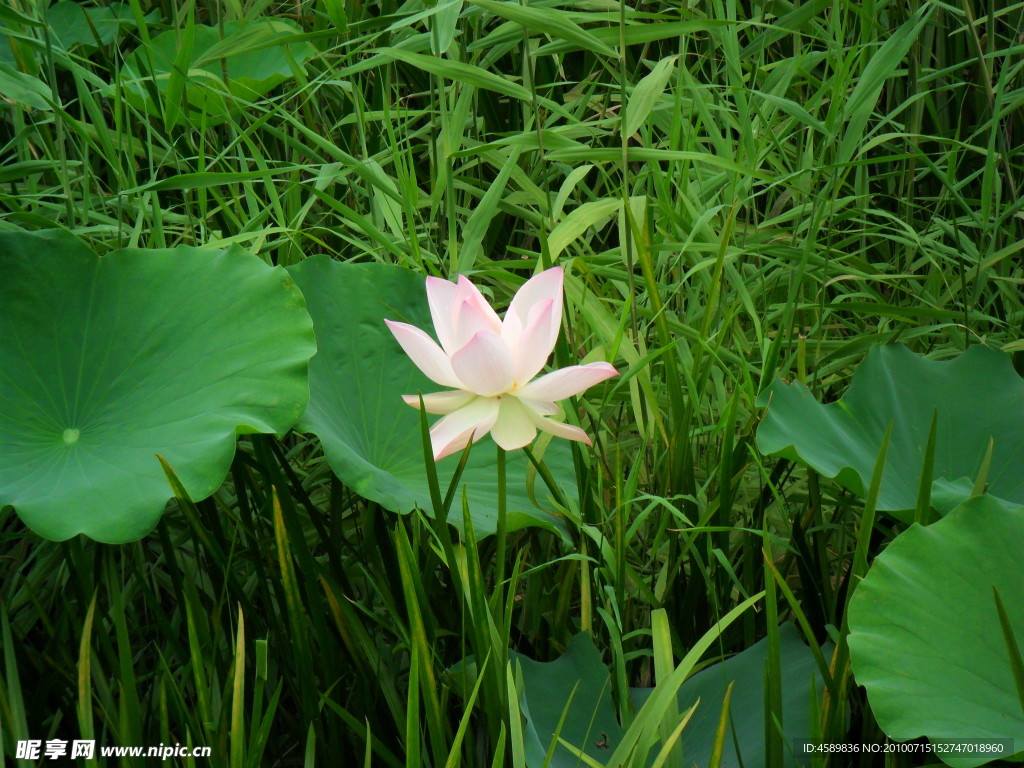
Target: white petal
[
  {"x": 484, "y": 365},
  {"x": 514, "y": 427},
  {"x": 455, "y": 445},
  {"x": 556, "y": 428},
  {"x": 440, "y": 402},
  {"x": 536, "y": 342},
  {"x": 540, "y": 407},
  {"x": 441, "y": 298},
  {"x": 424, "y": 351},
  {"x": 565, "y": 382},
  {"x": 454, "y": 431},
  {"x": 535, "y": 292},
  {"x": 538, "y": 289},
  {"x": 512, "y": 331},
  {"x": 568, "y": 431},
  {"x": 466, "y": 291},
  {"x": 470, "y": 314}
]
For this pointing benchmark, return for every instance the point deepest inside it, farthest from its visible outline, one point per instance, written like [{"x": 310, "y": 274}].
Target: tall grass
[{"x": 739, "y": 191}]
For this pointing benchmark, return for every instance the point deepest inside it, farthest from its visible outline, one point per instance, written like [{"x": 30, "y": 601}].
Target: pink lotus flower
[{"x": 492, "y": 363}]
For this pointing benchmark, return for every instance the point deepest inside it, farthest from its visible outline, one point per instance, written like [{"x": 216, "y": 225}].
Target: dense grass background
[{"x": 740, "y": 191}]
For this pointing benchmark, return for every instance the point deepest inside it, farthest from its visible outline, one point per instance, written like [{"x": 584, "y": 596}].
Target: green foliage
[
  {"x": 203, "y": 74},
  {"x": 24, "y": 89},
  {"x": 925, "y": 636},
  {"x": 111, "y": 363},
  {"x": 570, "y": 700},
  {"x": 738, "y": 191},
  {"x": 75, "y": 25},
  {"x": 974, "y": 400}
]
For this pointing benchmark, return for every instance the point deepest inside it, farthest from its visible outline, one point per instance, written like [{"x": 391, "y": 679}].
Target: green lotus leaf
[
  {"x": 249, "y": 54},
  {"x": 73, "y": 24},
  {"x": 108, "y": 362},
  {"x": 580, "y": 681},
  {"x": 577, "y": 681},
  {"x": 977, "y": 397},
  {"x": 925, "y": 637},
  {"x": 371, "y": 438}
]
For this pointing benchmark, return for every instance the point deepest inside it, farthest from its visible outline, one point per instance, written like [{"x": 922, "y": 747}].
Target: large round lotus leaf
[
  {"x": 249, "y": 54},
  {"x": 977, "y": 396},
  {"x": 108, "y": 362},
  {"x": 371, "y": 438},
  {"x": 580, "y": 682},
  {"x": 925, "y": 637}
]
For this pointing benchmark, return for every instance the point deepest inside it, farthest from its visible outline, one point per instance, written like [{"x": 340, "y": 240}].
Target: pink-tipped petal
[
  {"x": 484, "y": 365},
  {"x": 566, "y": 382},
  {"x": 454, "y": 431},
  {"x": 441, "y": 298},
  {"x": 536, "y": 343},
  {"x": 470, "y": 314},
  {"x": 558, "y": 429},
  {"x": 568, "y": 431},
  {"x": 467, "y": 322},
  {"x": 425, "y": 353},
  {"x": 547, "y": 286},
  {"x": 455, "y": 445},
  {"x": 440, "y": 402},
  {"x": 466, "y": 291},
  {"x": 514, "y": 427}
]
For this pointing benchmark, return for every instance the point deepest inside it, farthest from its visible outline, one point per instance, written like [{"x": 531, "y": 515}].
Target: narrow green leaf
[
  {"x": 421, "y": 648},
  {"x": 180, "y": 71},
  {"x": 297, "y": 621},
  {"x": 652, "y": 155},
  {"x": 867, "y": 518},
  {"x": 85, "y": 691},
  {"x": 774, "y": 748},
  {"x": 794, "y": 110},
  {"x": 646, "y": 93},
  {"x": 923, "y": 510},
  {"x": 335, "y": 10},
  {"x": 13, "y": 16},
  {"x": 549, "y": 21},
  {"x": 443, "y": 25},
  {"x": 579, "y": 221},
  {"x": 670, "y": 745},
  {"x": 473, "y": 75},
  {"x": 10, "y": 685},
  {"x": 24, "y": 89},
  {"x": 1012, "y": 648},
  {"x": 861, "y": 102},
  {"x": 661, "y": 637},
  {"x": 483, "y": 214},
  {"x": 981, "y": 482},
  {"x": 638, "y": 33},
  {"x": 515, "y": 718},
  {"x": 237, "y": 736},
  {"x": 722, "y": 730},
  {"x": 467, "y": 713}
]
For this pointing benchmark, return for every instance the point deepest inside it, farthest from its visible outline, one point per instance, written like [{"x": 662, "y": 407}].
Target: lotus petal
[
  {"x": 567, "y": 382},
  {"x": 514, "y": 427},
  {"x": 484, "y": 365},
  {"x": 454, "y": 431},
  {"x": 424, "y": 351}
]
